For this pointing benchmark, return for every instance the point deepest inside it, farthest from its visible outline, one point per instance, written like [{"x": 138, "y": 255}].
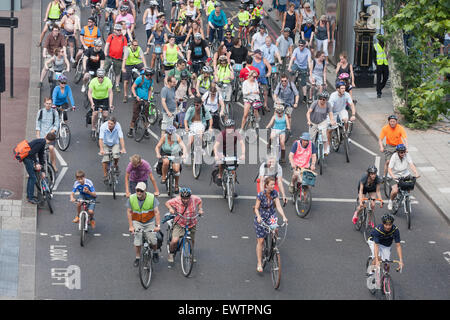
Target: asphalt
[{"x": 322, "y": 256}]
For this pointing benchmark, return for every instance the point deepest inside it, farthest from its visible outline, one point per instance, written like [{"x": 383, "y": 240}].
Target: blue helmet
[
  {"x": 305, "y": 136},
  {"x": 400, "y": 147},
  {"x": 170, "y": 129},
  {"x": 185, "y": 192}
]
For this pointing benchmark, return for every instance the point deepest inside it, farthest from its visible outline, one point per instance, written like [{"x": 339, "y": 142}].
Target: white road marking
[
  {"x": 43, "y": 234},
  {"x": 154, "y": 134},
  {"x": 60, "y": 158},
  {"x": 125, "y": 234},
  {"x": 447, "y": 256},
  {"x": 338, "y": 240},
  {"x": 432, "y": 242},
  {"x": 245, "y": 237},
  {"x": 60, "y": 177},
  {"x": 362, "y": 147},
  {"x": 377, "y": 162},
  {"x": 214, "y": 237},
  {"x": 97, "y": 234},
  {"x": 308, "y": 239}
]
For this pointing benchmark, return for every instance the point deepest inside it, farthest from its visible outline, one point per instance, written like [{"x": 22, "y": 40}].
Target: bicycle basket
[
  {"x": 407, "y": 183},
  {"x": 308, "y": 178}
]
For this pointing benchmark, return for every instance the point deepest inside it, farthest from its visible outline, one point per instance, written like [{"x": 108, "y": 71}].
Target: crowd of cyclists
[{"x": 205, "y": 59}]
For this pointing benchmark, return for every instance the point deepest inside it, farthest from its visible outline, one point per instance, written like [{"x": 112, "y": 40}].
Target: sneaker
[
  {"x": 155, "y": 257},
  {"x": 304, "y": 99},
  {"x": 93, "y": 133},
  {"x": 72, "y": 60},
  {"x": 92, "y": 223},
  {"x": 130, "y": 133},
  {"x": 291, "y": 188},
  {"x": 136, "y": 263},
  {"x": 390, "y": 204},
  {"x": 355, "y": 217},
  {"x": 105, "y": 180},
  {"x": 117, "y": 89},
  {"x": 33, "y": 201},
  {"x": 83, "y": 88},
  {"x": 170, "y": 258},
  {"x": 76, "y": 220},
  {"x": 125, "y": 99},
  {"x": 147, "y": 135}
]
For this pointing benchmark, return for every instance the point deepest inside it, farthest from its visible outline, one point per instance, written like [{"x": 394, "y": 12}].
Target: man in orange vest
[
  {"x": 303, "y": 153},
  {"x": 88, "y": 34}
]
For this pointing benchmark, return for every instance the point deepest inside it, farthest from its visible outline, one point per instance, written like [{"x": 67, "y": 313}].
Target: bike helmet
[
  {"x": 184, "y": 75},
  {"x": 62, "y": 78},
  {"x": 305, "y": 136},
  {"x": 100, "y": 72},
  {"x": 170, "y": 129},
  {"x": 242, "y": 6},
  {"x": 98, "y": 43},
  {"x": 153, "y": 4},
  {"x": 185, "y": 192},
  {"x": 287, "y": 29},
  {"x": 217, "y": 5},
  {"x": 149, "y": 71},
  {"x": 91, "y": 19},
  {"x": 392, "y": 116},
  {"x": 400, "y": 147},
  {"x": 372, "y": 169},
  {"x": 198, "y": 36},
  {"x": 301, "y": 41},
  {"x": 387, "y": 218},
  {"x": 205, "y": 69},
  {"x": 124, "y": 8},
  {"x": 279, "y": 108},
  {"x": 344, "y": 76},
  {"x": 324, "y": 94},
  {"x": 222, "y": 58},
  {"x": 339, "y": 84},
  {"x": 117, "y": 27},
  {"x": 171, "y": 35},
  {"x": 308, "y": 20},
  {"x": 229, "y": 123}
]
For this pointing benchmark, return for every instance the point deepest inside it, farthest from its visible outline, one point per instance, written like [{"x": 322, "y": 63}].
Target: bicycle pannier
[{"x": 22, "y": 150}]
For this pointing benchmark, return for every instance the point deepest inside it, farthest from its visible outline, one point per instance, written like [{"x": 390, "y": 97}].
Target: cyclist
[
  {"x": 266, "y": 203},
  {"x": 47, "y": 120},
  {"x": 300, "y": 61},
  {"x": 228, "y": 39},
  {"x": 111, "y": 7},
  {"x": 281, "y": 124},
  {"x": 94, "y": 58},
  {"x": 257, "y": 14},
  {"x": 344, "y": 67},
  {"x": 259, "y": 38},
  {"x": 244, "y": 20},
  {"x": 171, "y": 52},
  {"x": 204, "y": 81},
  {"x": 86, "y": 191},
  {"x": 195, "y": 120},
  {"x": 212, "y": 101},
  {"x": 307, "y": 32},
  {"x": 285, "y": 47},
  {"x": 263, "y": 66},
  {"x": 61, "y": 96},
  {"x": 198, "y": 51},
  {"x": 221, "y": 51},
  {"x": 52, "y": 17},
  {"x": 70, "y": 24},
  {"x": 100, "y": 95},
  {"x": 291, "y": 20},
  {"x": 170, "y": 144},
  {"x": 138, "y": 170},
  {"x": 178, "y": 70},
  {"x": 339, "y": 100},
  {"x": 271, "y": 168},
  {"x": 149, "y": 19},
  {"x": 250, "y": 92},
  {"x": 187, "y": 205},
  {"x": 395, "y": 134},
  {"x": 58, "y": 63},
  {"x": 141, "y": 89},
  {"x": 115, "y": 46},
  {"x": 168, "y": 103},
  {"x": 287, "y": 92},
  {"x": 224, "y": 74},
  {"x": 245, "y": 72},
  {"x": 143, "y": 213},
  {"x": 128, "y": 18},
  {"x": 226, "y": 145},
  {"x": 54, "y": 40},
  {"x": 88, "y": 34},
  {"x": 380, "y": 241},
  {"x": 31, "y": 163},
  {"x": 192, "y": 31},
  {"x": 398, "y": 168},
  {"x": 270, "y": 52},
  {"x": 133, "y": 58},
  {"x": 303, "y": 155},
  {"x": 368, "y": 186},
  {"x": 111, "y": 136},
  {"x": 183, "y": 89},
  {"x": 158, "y": 38},
  {"x": 238, "y": 54},
  {"x": 318, "y": 74},
  {"x": 319, "y": 116},
  {"x": 217, "y": 20},
  {"x": 131, "y": 8}
]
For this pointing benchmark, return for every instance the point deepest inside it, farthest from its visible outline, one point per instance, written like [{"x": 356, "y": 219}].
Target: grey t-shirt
[
  {"x": 339, "y": 103},
  {"x": 283, "y": 45},
  {"x": 319, "y": 114},
  {"x": 169, "y": 95}
]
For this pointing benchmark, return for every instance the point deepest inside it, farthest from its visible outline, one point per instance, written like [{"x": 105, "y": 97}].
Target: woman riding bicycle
[
  {"x": 368, "y": 185},
  {"x": 266, "y": 202},
  {"x": 280, "y": 123},
  {"x": 205, "y": 80},
  {"x": 170, "y": 144},
  {"x": 212, "y": 100},
  {"x": 250, "y": 92}
]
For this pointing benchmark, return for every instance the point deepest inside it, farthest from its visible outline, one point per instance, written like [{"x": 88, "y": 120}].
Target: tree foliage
[{"x": 424, "y": 71}]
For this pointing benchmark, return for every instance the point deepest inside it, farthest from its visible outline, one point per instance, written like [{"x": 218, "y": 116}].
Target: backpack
[
  {"x": 40, "y": 115},
  {"x": 22, "y": 150}
]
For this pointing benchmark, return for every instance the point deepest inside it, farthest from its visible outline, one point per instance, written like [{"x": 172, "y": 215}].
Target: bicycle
[
  {"x": 79, "y": 69},
  {"x": 96, "y": 12},
  {"x": 53, "y": 77},
  {"x": 252, "y": 121},
  {"x": 274, "y": 78},
  {"x": 63, "y": 135},
  {"x": 170, "y": 180},
  {"x": 100, "y": 120},
  {"x": 85, "y": 219},
  {"x": 145, "y": 261},
  {"x": 86, "y": 102},
  {"x": 148, "y": 115},
  {"x": 237, "y": 85},
  {"x": 405, "y": 185},
  {"x": 385, "y": 284},
  {"x": 297, "y": 77},
  {"x": 184, "y": 243},
  {"x": 271, "y": 252},
  {"x": 45, "y": 185},
  {"x": 228, "y": 111},
  {"x": 111, "y": 74},
  {"x": 320, "y": 149},
  {"x": 108, "y": 26},
  {"x": 112, "y": 174},
  {"x": 213, "y": 46},
  {"x": 315, "y": 92},
  {"x": 302, "y": 194},
  {"x": 338, "y": 135},
  {"x": 229, "y": 180},
  {"x": 159, "y": 68},
  {"x": 366, "y": 219},
  {"x": 196, "y": 153}
]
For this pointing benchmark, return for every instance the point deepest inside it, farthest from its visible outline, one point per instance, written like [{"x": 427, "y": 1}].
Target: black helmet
[
  {"x": 392, "y": 116},
  {"x": 184, "y": 75},
  {"x": 387, "y": 218},
  {"x": 372, "y": 169}
]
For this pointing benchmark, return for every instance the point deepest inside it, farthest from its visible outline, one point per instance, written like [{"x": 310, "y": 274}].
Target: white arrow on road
[{"x": 63, "y": 171}]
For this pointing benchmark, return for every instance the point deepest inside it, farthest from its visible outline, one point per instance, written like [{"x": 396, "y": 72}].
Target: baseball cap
[{"x": 141, "y": 186}]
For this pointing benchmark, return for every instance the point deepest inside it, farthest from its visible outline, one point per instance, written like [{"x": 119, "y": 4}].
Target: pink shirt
[
  {"x": 191, "y": 210},
  {"x": 129, "y": 19}
]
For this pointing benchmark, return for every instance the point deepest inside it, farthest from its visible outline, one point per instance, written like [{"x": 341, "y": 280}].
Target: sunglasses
[
  {"x": 63, "y": 82},
  {"x": 139, "y": 190},
  {"x": 323, "y": 99},
  {"x": 283, "y": 80}
]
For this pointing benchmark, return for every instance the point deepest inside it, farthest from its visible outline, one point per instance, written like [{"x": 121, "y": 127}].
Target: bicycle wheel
[
  {"x": 360, "y": 220},
  {"x": 145, "y": 266},
  {"x": 186, "y": 258},
  {"x": 139, "y": 128},
  {"x": 196, "y": 167},
  {"x": 346, "y": 148},
  {"x": 408, "y": 212},
  {"x": 387, "y": 287},
  {"x": 153, "y": 115},
  {"x": 387, "y": 187},
  {"x": 230, "y": 195},
  {"x": 63, "y": 137},
  {"x": 321, "y": 158},
  {"x": 303, "y": 202},
  {"x": 371, "y": 281},
  {"x": 112, "y": 182},
  {"x": 335, "y": 143},
  {"x": 266, "y": 251},
  {"x": 276, "y": 269},
  {"x": 169, "y": 185},
  {"x": 51, "y": 175},
  {"x": 369, "y": 219},
  {"x": 82, "y": 228},
  {"x": 48, "y": 197}
]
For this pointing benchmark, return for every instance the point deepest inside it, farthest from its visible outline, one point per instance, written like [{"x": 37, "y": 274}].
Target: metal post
[{"x": 11, "y": 74}]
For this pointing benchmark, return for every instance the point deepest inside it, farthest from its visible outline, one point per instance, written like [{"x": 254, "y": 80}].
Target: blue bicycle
[{"x": 184, "y": 244}]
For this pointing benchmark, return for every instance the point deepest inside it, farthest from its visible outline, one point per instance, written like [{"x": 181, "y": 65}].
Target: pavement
[{"x": 429, "y": 149}]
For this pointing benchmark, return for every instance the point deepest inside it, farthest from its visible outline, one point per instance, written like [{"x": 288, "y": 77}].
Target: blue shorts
[
  {"x": 263, "y": 80},
  {"x": 281, "y": 7}
]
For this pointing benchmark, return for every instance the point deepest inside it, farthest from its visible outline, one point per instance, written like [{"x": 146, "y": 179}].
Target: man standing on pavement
[
  {"x": 138, "y": 170},
  {"x": 168, "y": 103},
  {"x": 395, "y": 134},
  {"x": 382, "y": 65},
  {"x": 143, "y": 215},
  {"x": 114, "y": 50},
  {"x": 47, "y": 120}
]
